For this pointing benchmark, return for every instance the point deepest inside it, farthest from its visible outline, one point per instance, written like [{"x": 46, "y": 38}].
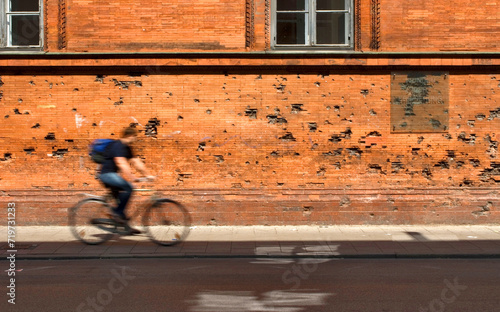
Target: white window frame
[
  {"x": 310, "y": 28},
  {"x": 5, "y": 26}
]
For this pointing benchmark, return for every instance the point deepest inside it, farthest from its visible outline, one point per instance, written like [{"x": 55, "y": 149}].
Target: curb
[{"x": 194, "y": 256}]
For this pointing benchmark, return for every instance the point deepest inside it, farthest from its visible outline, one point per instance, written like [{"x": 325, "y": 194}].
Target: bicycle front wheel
[
  {"x": 90, "y": 222},
  {"x": 167, "y": 222}
]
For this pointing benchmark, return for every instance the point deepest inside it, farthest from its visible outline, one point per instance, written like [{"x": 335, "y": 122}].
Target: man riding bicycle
[{"x": 119, "y": 157}]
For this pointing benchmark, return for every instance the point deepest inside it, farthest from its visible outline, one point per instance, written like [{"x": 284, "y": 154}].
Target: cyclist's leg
[{"x": 120, "y": 188}]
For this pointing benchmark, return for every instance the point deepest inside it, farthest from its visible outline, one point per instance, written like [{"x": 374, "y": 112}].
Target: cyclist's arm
[
  {"x": 124, "y": 167},
  {"x": 139, "y": 165}
]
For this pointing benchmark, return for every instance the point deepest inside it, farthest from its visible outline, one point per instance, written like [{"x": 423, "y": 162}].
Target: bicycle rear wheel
[
  {"x": 90, "y": 222},
  {"x": 167, "y": 222}
]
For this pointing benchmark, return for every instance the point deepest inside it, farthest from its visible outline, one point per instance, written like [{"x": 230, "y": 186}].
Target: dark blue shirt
[{"x": 115, "y": 149}]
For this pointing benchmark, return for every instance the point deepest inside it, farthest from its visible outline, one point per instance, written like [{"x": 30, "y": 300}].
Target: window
[
  {"x": 20, "y": 24},
  {"x": 312, "y": 23}
]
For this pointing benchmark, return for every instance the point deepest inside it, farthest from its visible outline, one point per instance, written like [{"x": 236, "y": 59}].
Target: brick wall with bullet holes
[{"x": 261, "y": 138}]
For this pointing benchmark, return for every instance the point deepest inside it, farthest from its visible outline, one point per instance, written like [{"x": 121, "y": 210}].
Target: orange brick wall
[
  {"x": 435, "y": 25},
  {"x": 255, "y": 138},
  {"x": 255, "y": 147},
  {"x": 221, "y": 25}
]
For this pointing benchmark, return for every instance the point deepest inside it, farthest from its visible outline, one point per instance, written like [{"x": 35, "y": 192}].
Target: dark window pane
[
  {"x": 291, "y": 5},
  {"x": 330, "y": 5},
  {"x": 330, "y": 28},
  {"x": 291, "y": 28},
  {"x": 24, "y": 5},
  {"x": 25, "y": 30}
]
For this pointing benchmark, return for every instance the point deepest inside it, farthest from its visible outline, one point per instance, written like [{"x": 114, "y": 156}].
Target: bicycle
[{"x": 165, "y": 221}]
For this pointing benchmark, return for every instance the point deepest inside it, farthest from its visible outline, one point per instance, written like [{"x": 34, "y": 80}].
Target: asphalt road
[{"x": 280, "y": 285}]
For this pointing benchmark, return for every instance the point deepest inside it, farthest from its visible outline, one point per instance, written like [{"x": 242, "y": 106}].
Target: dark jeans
[{"x": 121, "y": 189}]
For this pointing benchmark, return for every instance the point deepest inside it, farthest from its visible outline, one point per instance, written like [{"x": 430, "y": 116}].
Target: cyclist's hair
[{"x": 128, "y": 132}]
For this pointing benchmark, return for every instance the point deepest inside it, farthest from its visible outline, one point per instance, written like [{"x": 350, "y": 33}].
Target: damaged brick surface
[{"x": 321, "y": 144}]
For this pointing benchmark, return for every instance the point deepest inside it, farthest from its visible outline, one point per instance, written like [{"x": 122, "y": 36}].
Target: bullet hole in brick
[
  {"x": 180, "y": 118},
  {"x": 354, "y": 151},
  {"x": 443, "y": 164},
  {"x": 427, "y": 173},
  {"x": 462, "y": 137},
  {"x": 372, "y": 112},
  {"x": 492, "y": 173},
  {"x": 212, "y": 222},
  {"x": 365, "y": 92},
  {"x": 450, "y": 153},
  {"x": 20, "y": 101},
  {"x": 280, "y": 88},
  {"x": 414, "y": 151},
  {"x": 76, "y": 90},
  {"x": 69, "y": 140},
  {"x": 480, "y": 116},
  {"x": 50, "y": 136},
  {"x": 196, "y": 100},
  {"x": 275, "y": 154},
  {"x": 317, "y": 84},
  {"x": 475, "y": 162},
  {"x": 73, "y": 110},
  {"x": 460, "y": 164},
  {"x": 16, "y": 111},
  {"x": 485, "y": 210},
  {"x": 36, "y": 126},
  {"x": 6, "y": 156},
  {"x": 151, "y": 127},
  {"x": 259, "y": 77},
  {"x": 120, "y": 102},
  {"x": 374, "y": 134},
  {"x": 448, "y": 136},
  {"x": 125, "y": 84},
  {"x": 397, "y": 166},
  {"x": 343, "y": 135},
  {"x": 201, "y": 147},
  {"x": 313, "y": 127},
  {"x": 6, "y": 116},
  {"x": 466, "y": 183},
  {"x": 297, "y": 108},
  {"x": 29, "y": 151},
  {"x": 494, "y": 114},
  {"x": 198, "y": 159},
  {"x": 99, "y": 78},
  {"x": 288, "y": 137},
  {"x": 209, "y": 112},
  {"x": 337, "y": 152},
  {"x": 321, "y": 172},
  {"x": 345, "y": 202},
  {"x": 375, "y": 168},
  {"x": 251, "y": 113},
  {"x": 94, "y": 124},
  {"x": 274, "y": 119},
  {"x": 182, "y": 176},
  {"x": 60, "y": 152}
]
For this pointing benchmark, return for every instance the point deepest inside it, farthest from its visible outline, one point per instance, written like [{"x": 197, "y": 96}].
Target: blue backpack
[{"x": 98, "y": 150}]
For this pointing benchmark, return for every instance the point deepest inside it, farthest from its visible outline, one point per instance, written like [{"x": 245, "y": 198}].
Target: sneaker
[
  {"x": 134, "y": 231},
  {"x": 119, "y": 218}
]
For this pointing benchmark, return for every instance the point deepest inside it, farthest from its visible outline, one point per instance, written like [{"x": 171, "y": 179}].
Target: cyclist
[{"x": 119, "y": 158}]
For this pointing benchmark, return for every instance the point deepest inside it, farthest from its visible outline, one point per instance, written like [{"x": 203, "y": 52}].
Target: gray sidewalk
[{"x": 398, "y": 241}]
